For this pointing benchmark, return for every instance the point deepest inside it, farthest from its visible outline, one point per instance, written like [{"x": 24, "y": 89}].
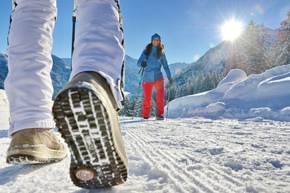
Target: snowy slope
[
  {"x": 190, "y": 154},
  {"x": 4, "y": 110}
]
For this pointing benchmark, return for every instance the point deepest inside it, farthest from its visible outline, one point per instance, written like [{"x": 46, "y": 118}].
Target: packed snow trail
[{"x": 179, "y": 155}]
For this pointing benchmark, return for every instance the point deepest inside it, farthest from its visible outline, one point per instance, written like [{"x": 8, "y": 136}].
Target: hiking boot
[
  {"x": 85, "y": 112},
  {"x": 31, "y": 146},
  {"x": 160, "y": 117}
]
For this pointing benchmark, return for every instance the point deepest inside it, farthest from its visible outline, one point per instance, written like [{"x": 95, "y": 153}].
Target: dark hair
[{"x": 160, "y": 49}]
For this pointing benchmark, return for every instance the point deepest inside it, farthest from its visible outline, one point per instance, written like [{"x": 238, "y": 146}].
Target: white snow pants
[{"x": 98, "y": 47}]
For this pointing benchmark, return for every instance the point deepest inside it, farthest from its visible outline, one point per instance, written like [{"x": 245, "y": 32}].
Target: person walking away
[
  {"x": 85, "y": 110},
  {"x": 152, "y": 60}
]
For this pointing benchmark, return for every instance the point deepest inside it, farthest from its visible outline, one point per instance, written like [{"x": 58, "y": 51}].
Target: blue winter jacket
[{"x": 153, "y": 69}]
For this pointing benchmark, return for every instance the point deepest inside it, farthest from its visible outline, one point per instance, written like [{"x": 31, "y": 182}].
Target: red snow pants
[{"x": 147, "y": 89}]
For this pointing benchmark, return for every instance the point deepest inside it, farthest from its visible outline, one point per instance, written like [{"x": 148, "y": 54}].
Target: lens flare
[
  {"x": 259, "y": 9},
  {"x": 196, "y": 57}
]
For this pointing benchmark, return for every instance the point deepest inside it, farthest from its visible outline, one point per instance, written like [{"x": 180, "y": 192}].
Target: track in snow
[
  {"x": 179, "y": 155},
  {"x": 201, "y": 155}
]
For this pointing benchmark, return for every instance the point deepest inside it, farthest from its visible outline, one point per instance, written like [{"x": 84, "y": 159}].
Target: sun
[{"x": 231, "y": 30}]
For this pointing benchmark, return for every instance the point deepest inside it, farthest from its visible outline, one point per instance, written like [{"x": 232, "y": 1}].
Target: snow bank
[
  {"x": 4, "y": 110},
  {"x": 233, "y": 76},
  {"x": 238, "y": 96}
]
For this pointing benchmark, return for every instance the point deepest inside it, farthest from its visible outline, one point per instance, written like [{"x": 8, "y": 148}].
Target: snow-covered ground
[
  {"x": 237, "y": 96},
  {"x": 233, "y": 139}
]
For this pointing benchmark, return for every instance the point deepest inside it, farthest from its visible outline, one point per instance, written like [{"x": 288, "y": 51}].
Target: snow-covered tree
[
  {"x": 260, "y": 59},
  {"x": 283, "y": 43},
  {"x": 254, "y": 49}
]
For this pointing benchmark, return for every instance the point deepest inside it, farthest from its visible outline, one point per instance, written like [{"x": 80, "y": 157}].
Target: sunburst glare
[{"x": 231, "y": 30}]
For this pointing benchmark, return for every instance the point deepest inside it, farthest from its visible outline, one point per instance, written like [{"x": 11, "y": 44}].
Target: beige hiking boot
[{"x": 31, "y": 146}]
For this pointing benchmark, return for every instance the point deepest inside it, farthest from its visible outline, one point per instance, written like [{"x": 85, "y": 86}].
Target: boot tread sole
[{"x": 84, "y": 123}]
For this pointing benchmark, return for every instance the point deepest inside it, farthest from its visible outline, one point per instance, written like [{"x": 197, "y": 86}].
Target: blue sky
[{"x": 188, "y": 28}]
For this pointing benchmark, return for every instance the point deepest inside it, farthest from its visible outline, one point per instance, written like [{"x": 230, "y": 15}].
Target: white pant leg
[
  {"x": 99, "y": 42},
  {"x": 28, "y": 84}
]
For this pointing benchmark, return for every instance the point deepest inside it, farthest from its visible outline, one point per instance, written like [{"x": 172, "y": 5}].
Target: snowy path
[
  {"x": 199, "y": 155},
  {"x": 179, "y": 155}
]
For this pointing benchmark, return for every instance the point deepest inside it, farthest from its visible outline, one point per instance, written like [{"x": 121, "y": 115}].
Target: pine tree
[
  {"x": 251, "y": 47},
  {"x": 255, "y": 49},
  {"x": 261, "y": 62},
  {"x": 207, "y": 83},
  {"x": 132, "y": 107},
  {"x": 263, "y": 52},
  {"x": 127, "y": 110},
  {"x": 171, "y": 91},
  {"x": 283, "y": 43},
  {"x": 235, "y": 59},
  {"x": 198, "y": 83}
]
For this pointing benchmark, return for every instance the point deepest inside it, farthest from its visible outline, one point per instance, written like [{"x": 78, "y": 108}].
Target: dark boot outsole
[
  {"x": 19, "y": 159},
  {"x": 85, "y": 124}
]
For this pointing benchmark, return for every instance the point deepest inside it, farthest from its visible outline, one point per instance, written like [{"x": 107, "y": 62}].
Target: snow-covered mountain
[
  {"x": 132, "y": 76},
  {"x": 3, "y": 69},
  {"x": 59, "y": 74},
  {"x": 177, "y": 68},
  {"x": 253, "y": 53}
]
